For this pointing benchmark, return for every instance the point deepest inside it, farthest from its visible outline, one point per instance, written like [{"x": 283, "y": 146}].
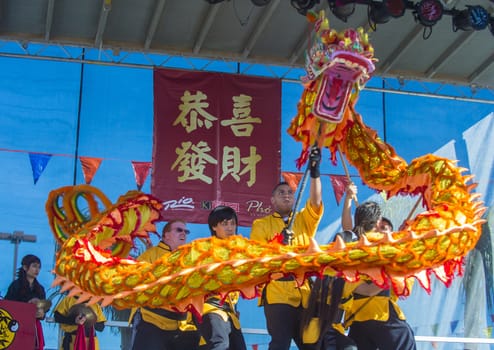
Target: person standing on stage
[
  {"x": 27, "y": 289},
  {"x": 220, "y": 324},
  {"x": 283, "y": 299},
  {"x": 161, "y": 329},
  {"x": 373, "y": 315}
]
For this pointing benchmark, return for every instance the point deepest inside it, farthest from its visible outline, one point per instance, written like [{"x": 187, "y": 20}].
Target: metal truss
[{"x": 147, "y": 60}]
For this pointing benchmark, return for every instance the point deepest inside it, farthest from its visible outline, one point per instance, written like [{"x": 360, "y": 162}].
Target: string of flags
[
  {"x": 339, "y": 182},
  {"x": 90, "y": 165}
]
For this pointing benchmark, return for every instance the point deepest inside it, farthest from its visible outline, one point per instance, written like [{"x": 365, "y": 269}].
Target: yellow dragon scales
[{"x": 93, "y": 260}]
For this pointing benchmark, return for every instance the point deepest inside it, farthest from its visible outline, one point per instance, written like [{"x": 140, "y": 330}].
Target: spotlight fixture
[
  {"x": 342, "y": 9},
  {"x": 429, "y": 12},
  {"x": 302, "y": 6},
  {"x": 479, "y": 17},
  {"x": 378, "y": 14},
  {"x": 395, "y": 8},
  {"x": 381, "y": 12},
  {"x": 473, "y": 17}
]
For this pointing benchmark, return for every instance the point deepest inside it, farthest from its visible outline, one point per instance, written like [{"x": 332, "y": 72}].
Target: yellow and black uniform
[
  {"x": 376, "y": 322},
  {"x": 322, "y": 325},
  {"x": 66, "y": 318},
  {"x": 283, "y": 300},
  {"x": 322, "y": 320},
  {"x": 220, "y": 325},
  {"x": 160, "y": 328}
]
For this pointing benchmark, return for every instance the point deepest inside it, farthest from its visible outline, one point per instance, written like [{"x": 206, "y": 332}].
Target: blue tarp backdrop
[{"x": 69, "y": 110}]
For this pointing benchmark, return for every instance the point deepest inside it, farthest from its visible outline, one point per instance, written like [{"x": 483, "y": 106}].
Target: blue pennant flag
[
  {"x": 453, "y": 325},
  {"x": 38, "y": 164}
]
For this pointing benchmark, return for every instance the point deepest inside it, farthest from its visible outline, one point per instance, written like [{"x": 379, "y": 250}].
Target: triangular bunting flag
[
  {"x": 89, "y": 167},
  {"x": 141, "y": 171},
  {"x": 293, "y": 179},
  {"x": 39, "y": 161},
  {"x": 255, "y": 346},
  {"x": 340, "y": 183},
  {"x": 488, "y": 332},
  {"x": 435, "y": 328},
  {"x": 453, "y": 326}
]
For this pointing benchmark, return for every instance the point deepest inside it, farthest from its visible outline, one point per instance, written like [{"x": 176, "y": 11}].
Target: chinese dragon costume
[{"x": 93, "y": 260}]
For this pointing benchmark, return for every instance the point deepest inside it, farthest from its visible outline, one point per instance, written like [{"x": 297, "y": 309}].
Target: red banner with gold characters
[{"x": 216, "y": 142}]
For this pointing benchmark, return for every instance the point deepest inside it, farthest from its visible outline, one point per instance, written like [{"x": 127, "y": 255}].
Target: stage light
[
  {"x": 429, "y": 12},
  {"x": 302, "y": 6},
  {"x": 479, "y": 17},
  {"x": 395, "y": 8},
  {"x": 473, "y": 17},
  {"x": 380, "y": 12},
  {"x": 342, "y": 9}
]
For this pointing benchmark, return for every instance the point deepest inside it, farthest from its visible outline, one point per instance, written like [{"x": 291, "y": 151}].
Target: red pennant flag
[
  {"x": 39, "y": 162},
  {"x": 89, "y": 167},
  {"x": 255, "y": 346},
  {"x": 293, "y": 179},
  {"x": 141, "y": 171},
  {"x": 340, "y": 183}
]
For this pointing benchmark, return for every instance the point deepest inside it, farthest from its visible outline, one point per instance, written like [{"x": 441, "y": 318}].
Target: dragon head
[{"x": 336, "y": 64}]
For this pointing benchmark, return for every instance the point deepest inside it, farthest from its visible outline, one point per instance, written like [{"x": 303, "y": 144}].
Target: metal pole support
[{"x": 16, "y": 238}]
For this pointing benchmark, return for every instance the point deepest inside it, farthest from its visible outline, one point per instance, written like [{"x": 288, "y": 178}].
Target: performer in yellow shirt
[
  {"x": 161, "y": 329},
  {"x": 71, "y": 315},
  {"x": 372, "y": 313},
  {"x": 220, "y": 324},
  {"x": 283, "y": 299}
]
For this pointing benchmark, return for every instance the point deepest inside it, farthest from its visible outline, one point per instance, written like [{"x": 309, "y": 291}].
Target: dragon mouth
[{"x": 344, "y": 71}]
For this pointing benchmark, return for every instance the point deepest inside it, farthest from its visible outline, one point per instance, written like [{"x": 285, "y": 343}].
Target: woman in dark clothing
[{"x": 27, "y": 289}]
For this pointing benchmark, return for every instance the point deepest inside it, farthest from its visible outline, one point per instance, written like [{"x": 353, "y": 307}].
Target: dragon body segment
[
  {"x": 93, "y": 260},
  {"x": 211, "y": 266}
]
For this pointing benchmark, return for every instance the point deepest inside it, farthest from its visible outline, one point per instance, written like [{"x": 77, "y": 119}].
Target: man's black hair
[
  {"x": 220, "y": 214},
  {"x": 366, "y": 216},
  {"x": 282, "y": 183}
]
